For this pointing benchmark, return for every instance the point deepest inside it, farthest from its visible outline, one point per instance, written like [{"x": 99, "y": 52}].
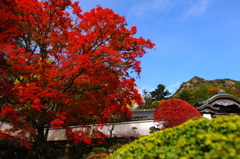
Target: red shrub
[
  {"x": 174, "y": 112},
  {"x": 101, "y": 155}
]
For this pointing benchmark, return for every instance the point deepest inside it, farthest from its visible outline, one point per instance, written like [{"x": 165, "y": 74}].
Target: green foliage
[
  {"x": 97, "y": 150},
  {"x": 115, "y": 147},
  {"x": 151, "y": 100},
  {"x": 155, "y": 104},
  {"x": 195, "y": 139},
  {"x": 147, "y": 100},
  {"x": 185, "y": 95},
  {"x": 198, "y": 89},
  {"x": 160, "y": 93},
  {"x": 153, "y": 129}
]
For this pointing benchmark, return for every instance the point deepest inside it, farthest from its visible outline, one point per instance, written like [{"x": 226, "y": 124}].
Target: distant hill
[{"x": 199, "y": 89}]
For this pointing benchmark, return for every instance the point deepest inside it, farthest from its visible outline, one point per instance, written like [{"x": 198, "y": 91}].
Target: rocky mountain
[{"x": 197, "y": 89}]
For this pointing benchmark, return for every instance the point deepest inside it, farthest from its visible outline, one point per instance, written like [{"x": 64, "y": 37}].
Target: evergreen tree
[
  {"x": 147, "y": 100},
  {"x": 160, "y": 93}
]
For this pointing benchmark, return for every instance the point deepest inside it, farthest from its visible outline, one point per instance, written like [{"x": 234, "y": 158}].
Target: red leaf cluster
[
  {"x": 174, "y": 112},
  {"x": 23, "y": 140},
  {"x": 10, "y": 114},
  {"x": 78, "y": 136},
  {"x": 59, "y": 66},
  {"x": 101, "y": 155}
]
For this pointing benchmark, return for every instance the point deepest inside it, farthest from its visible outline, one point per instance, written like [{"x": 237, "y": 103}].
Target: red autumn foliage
[
  {"x": 174, "y": 112},
  {"x": 101, "y": 155},
  {"x": 23, "y": 140},
  {"x": 213, "y": 91},
  {"x": 235, "y": 92},
  {"x": 57, "y": 68}
]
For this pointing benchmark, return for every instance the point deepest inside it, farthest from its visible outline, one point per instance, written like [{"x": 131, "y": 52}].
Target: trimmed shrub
[
  {"x": 195, "y": 139},
  {"x": 174, "y": 112},
  {"x": 96, "y": 152}
]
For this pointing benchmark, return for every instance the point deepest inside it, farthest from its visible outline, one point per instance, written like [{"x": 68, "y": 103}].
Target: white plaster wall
[
  {"x": 120, "y": 129},
  {"x": 208, "y": 116},
  {"x": 57, "y": 134},
  {"x": 126, "y": 128},
  {"x": 5, "y": 126}
]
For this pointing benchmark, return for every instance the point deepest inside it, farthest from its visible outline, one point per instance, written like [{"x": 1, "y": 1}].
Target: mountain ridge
[{"x": 198, "y": 88}]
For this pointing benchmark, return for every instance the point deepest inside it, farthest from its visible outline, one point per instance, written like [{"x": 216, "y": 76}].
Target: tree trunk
[{"x": 41, "y": 142}]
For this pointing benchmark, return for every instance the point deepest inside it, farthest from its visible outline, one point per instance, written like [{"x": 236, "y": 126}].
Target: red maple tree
[
  {"x": 57, "y": 68},
  {"x": 173, "y": 112}
]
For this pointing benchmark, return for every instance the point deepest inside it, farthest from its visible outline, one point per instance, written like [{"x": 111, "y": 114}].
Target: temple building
[{"x": 221, "y": 104}]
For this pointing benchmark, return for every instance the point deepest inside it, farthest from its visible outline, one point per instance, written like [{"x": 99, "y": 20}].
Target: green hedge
[{"x": 197, "y": 138}]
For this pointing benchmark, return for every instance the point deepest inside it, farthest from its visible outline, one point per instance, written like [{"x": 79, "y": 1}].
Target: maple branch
[
  {"x": 101, "y": 35},
  {"x": 70, "y": 83},
  {"x": 15, "y": 75},
  {"x": 89, "y": 89},
  {"x": 94, "y": 43},
  {"x": 71, "y": 80},
  {"x": 51, "y": 105}
]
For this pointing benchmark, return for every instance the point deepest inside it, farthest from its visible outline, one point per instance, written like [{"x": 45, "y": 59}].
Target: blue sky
[{"x": 193, "y": 38}]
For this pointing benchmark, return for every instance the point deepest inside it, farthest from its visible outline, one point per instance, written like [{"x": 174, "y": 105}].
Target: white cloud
[
  {"x": 175, "y": 85},
  {"x": 160, "y": 4},
  {"x": 149, "y": 7},
  {"x": 173, "y": 88},
  {"x": 198, "y": 8},
  {"x": 153, "y": 79}
]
